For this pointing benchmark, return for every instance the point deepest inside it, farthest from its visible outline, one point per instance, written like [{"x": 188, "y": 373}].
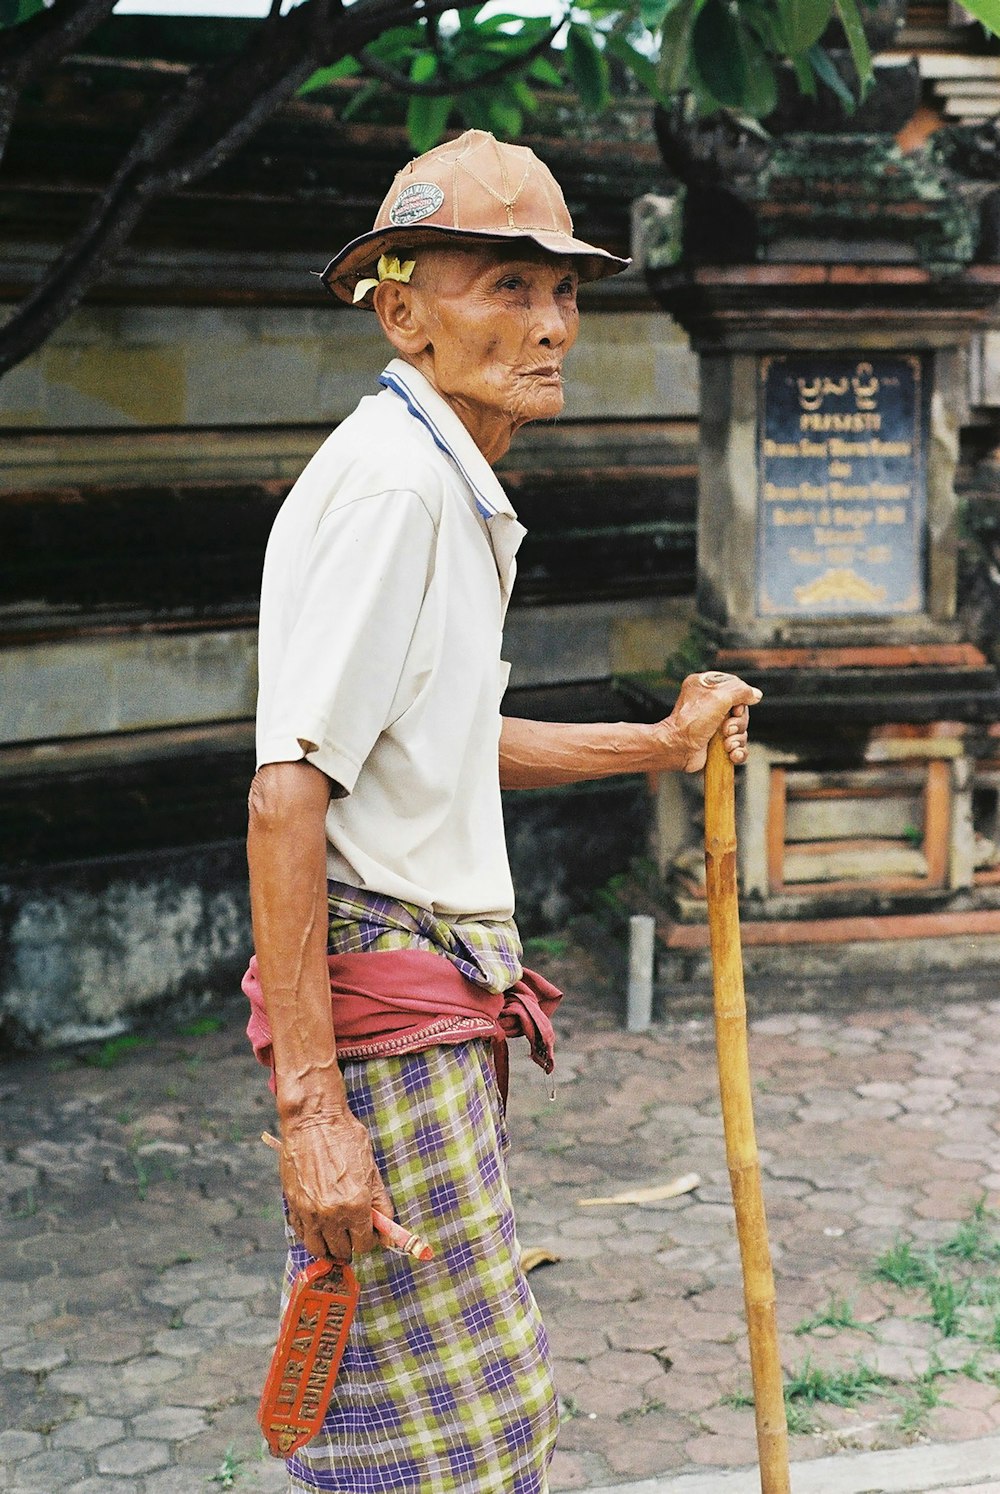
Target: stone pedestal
[
  {"x": 831, "y": 402},
  {"x": 832, "y": 397}
]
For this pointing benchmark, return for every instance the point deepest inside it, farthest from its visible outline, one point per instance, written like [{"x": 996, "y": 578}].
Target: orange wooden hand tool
[{"x": 307, "y": 1356}]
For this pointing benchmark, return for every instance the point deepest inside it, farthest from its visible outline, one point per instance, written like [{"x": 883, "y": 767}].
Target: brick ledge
[{"x": 840, "y": 930}]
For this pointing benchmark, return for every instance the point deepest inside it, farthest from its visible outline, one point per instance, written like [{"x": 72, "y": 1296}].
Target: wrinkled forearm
[
  {"x": 545, "y": 754},
  {"x": 286, "y": 853}
]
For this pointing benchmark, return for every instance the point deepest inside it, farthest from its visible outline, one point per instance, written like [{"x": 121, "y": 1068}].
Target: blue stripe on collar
[{"x": 397, "y": 386}]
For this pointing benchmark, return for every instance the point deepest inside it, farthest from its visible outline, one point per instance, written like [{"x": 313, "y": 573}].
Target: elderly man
[{"x": 377, "y": 861}]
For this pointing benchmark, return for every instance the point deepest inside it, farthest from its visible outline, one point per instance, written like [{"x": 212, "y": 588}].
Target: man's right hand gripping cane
[{"x": 328, "y": 1172}]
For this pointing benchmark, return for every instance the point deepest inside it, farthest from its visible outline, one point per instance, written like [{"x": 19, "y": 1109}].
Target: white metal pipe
[{"x": 641, "y": 945}]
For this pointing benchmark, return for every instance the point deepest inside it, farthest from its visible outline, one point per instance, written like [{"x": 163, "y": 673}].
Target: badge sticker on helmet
[{"x": 417, "y": 200}]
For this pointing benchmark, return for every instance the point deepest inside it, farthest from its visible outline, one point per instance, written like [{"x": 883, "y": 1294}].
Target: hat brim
[{"x": 357, "y": 258}]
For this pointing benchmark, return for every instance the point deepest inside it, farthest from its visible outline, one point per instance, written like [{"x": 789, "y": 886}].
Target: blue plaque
[{"x": 842, "y": 496}]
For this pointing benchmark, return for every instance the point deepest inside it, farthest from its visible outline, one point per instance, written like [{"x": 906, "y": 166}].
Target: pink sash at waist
[{"x": 390, "y": 1002}]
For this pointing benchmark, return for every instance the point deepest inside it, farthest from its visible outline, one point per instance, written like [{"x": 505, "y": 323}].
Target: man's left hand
[{"x": 707, "y": 702}]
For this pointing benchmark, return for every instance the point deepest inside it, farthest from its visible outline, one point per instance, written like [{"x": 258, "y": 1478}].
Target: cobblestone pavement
[{"x": 142, "y": 1244}]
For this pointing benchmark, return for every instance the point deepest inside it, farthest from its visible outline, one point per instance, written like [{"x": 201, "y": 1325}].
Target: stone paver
[
  {"x": 87, "y": 1433},
  {"x": 141, "y": 1243},
  {"x": 133, "y": 1457}
]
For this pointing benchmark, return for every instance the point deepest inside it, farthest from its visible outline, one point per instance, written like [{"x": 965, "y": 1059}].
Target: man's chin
[{"x": 543, "y": 403}]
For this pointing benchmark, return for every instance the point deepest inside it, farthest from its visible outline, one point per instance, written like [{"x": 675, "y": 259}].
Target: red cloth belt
[{"x": 389, "y": 1002}]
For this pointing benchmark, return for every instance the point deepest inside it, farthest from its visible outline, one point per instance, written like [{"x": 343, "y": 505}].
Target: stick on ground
[{"x": 737, "y": 1117}]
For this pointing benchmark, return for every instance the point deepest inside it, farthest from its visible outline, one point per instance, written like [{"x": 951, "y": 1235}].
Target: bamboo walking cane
[{"x": 737, "y": 1119}]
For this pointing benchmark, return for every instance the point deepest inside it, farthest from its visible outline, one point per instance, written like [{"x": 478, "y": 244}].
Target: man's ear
[{"x": 398, "y": 309}]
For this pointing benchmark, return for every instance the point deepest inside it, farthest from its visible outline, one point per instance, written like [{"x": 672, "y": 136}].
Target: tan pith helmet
[{"x": 476, "y": 188}]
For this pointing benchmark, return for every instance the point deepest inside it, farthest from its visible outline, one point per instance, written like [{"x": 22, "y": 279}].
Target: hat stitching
[
  {"x": 553, "y": 207},
  {"x": 455, "y": 189},
  {"x": 455, "y": 195},
  {"x": 507, "y": 199}
]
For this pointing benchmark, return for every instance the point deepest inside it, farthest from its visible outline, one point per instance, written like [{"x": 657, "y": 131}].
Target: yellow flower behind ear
[{"x": 389, "y": 268}]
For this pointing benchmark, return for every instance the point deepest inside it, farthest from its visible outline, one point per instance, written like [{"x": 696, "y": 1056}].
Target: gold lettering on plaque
[
  {"x": 863, "y": 450},
  {"x": 838, "y": 499},
  {"x": 839, "y": 586},
  {"x": 794, "y": 516},
  {"x": 841, "y": 420}
]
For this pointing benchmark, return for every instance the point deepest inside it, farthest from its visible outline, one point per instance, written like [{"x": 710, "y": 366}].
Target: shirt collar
[{"x": 449, "y": 435}]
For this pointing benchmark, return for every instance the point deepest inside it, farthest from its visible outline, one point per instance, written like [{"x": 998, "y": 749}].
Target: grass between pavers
[
  {"x": 960, "y": 1284},
  {"x": 959, "y": 1279},
  {"x": 236, "y": 1467},
  {"x": 838, "y": 1313},
  {"x": 228, "y": 1470},
  {"x": 810, "y": 1385}
]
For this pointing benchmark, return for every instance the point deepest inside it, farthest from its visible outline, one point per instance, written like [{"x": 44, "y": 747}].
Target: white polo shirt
[{"x": 386, "y": 581}]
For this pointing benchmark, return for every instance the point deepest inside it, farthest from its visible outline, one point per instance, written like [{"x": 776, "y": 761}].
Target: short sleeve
[{"x": 350, "y": 625}]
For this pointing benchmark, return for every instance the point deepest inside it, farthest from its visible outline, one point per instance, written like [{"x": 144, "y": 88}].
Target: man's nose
[{"x": 550, "y": 322}]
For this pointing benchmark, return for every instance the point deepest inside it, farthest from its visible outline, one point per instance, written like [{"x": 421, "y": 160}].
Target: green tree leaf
[
  {"x": 506, "y": 119},
  {"x": 347, "y": 67},
  {"x": 731, "y": 62},
  {"x": 426, "y": 120},
  {"x": 544, "y": 71},
  {"x": 532, "y": 31},
  {"x": 653, "y": 12},
  {"x": 523, "y": 96},
  {"x": 824, "y": 69},
  {"x": 801, "y": 23},
  {"x": 762, "y": 89},
  {"x": 529, "y": 29},
  {"x": 764, "y": 21},
  {"x": 675, "y": 46},
  {"x": 642, "y": 68},
  {"x": 490, "y": 23},
  {"x": 399, "y": 43},
  {"x": 360, "y": 100},
  {"x": 588, "y": 68},
  {"x": 987, "y": 11},
  {"x": 474, "y": 108},
  {"x": 805, "y": 77},
  {"x": 599, "y": 10},
  {"x": 13, "y": 12},
  {"x": 850, "y": 19},
  {"x": 423, "y": 68},
  {"x": 717, "y": 54}
]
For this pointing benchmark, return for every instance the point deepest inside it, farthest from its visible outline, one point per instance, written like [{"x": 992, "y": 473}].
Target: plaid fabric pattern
[
  {"x": 488, "y": 954},
  {"x": 445, "y": 1386}
]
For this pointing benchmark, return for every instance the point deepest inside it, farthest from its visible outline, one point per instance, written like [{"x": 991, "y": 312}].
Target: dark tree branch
[
  {"x": 102, "y": 234},
  {"x": 269, "y": 71},
  {"x": 183, "y": 172},
  {"x": 28, "y": 50},
  {"x": 51, "y": 33},
  {"x": 214, "y": 111},
  {"x": 386, "y": 73}
]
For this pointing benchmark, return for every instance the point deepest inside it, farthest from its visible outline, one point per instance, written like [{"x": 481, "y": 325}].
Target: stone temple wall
[{"x": 146, "y": 449}]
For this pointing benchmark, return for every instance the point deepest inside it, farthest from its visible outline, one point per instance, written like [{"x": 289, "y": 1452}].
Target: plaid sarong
[
  {"x": 445, "y": 1386},
  {"x": 488, "y": 954}
]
